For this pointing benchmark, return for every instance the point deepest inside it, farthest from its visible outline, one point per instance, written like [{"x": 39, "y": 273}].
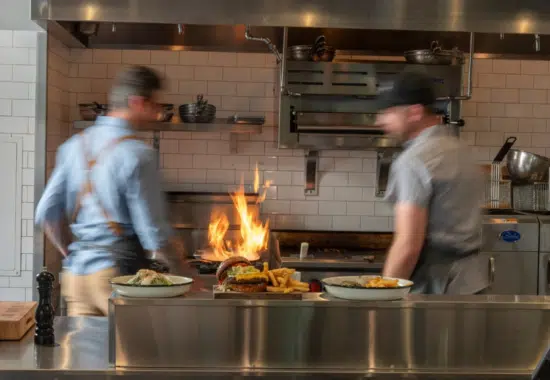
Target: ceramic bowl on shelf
[{"x": 199, "y": 112}]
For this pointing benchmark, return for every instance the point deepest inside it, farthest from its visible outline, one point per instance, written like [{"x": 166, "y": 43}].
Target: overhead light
[
  {"x": 524, "y": 24},
  {"x": 308, "y": 19},
  {"x": 90, "y": 12}
]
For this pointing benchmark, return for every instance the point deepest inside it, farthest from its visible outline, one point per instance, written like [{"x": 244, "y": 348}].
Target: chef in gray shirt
[{"x": 437, "y": 193}]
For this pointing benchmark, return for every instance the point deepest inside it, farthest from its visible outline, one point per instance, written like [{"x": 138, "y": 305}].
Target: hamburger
[{"x": 239, "y": 275}]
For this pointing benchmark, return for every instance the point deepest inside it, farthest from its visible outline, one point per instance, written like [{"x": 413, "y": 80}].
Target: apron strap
[{"x": 88, "y": 188}]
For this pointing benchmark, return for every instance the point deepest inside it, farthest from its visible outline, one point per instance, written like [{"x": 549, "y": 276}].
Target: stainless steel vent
[
  {"x": 336, "y": 122},
  {"x": 325, "y": 78}
]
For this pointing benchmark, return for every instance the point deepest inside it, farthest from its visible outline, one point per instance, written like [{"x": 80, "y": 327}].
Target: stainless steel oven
[
  {"x": 332, "y": 105},
  {"x": 512, "y": 243},
  {"x": 544, "y": 256}
]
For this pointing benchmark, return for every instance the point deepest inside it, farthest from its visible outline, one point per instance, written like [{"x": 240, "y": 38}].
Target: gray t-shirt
[{"x": 435, "y": 171}]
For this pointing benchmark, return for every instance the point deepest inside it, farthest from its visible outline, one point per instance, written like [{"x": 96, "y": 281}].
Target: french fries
[
  {"x": 281, "y": 281},
  {"x": 275, "y": 289},
  {"x": 272, "y": 279}
]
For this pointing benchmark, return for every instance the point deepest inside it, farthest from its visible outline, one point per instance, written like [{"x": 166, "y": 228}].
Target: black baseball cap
[{"x": 409, "y": 88}]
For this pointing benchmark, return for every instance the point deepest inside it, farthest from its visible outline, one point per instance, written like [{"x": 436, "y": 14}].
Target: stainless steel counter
[
  {"x": 436, "y": 334},
  {"x": 421, "y": 334},
  {"x": 323, "y": 300},
  {"x": 81, "y": 348}
]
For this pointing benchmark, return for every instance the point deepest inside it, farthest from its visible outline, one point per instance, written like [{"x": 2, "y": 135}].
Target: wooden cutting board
[
  {"x": 16, "y": 318},
  {"x": 221, "y": 294}
]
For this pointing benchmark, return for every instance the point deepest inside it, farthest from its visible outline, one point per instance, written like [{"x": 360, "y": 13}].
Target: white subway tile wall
[
  {"x": 17, "y": 118},
  {"x": 510, "y": 98}
]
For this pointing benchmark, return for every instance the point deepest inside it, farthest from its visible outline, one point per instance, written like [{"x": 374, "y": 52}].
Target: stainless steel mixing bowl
[{"x": 525, "y": 167}]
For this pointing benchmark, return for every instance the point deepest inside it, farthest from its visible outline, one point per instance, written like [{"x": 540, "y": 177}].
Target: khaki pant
[{"x": 87, "y": 294}]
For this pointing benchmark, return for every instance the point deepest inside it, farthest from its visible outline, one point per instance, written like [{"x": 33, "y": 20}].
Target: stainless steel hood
[
  {"x": 487, "y": 16},
  {"x": 231, "y": 38},
  {"x": 381, "y": 27}
]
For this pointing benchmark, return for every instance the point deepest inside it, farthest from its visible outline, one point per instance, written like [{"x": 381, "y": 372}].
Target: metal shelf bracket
[{"x": 312, "y": 175}]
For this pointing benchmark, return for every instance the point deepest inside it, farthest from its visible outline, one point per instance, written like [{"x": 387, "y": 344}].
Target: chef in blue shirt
[{"x": 107, "y": 185}]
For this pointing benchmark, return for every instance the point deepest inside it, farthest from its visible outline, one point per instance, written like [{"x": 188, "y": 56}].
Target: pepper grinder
[{"x": 44, "y": 334}]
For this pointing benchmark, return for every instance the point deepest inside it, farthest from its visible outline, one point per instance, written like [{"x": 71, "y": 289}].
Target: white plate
[
  {"x": 181, "y": 285},
  {"x": 334, "y": 288}
]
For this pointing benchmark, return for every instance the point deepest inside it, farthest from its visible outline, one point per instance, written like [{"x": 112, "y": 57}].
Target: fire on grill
[{"x": 254, "y": 233}]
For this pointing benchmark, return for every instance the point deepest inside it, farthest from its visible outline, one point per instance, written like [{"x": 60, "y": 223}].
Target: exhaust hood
[
  {"x": 487, "y": 16},
  {"x": 380, "y": 26}
]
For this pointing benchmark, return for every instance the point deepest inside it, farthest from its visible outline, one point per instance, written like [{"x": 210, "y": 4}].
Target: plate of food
[
  {"x": 367, "y": 288},
  {"x": 238, "y": 275},
  {"x": 147, "y": 283}
]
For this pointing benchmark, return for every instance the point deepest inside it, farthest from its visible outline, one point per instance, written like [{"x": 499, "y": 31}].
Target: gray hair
[{"x": 133, "y": 81}]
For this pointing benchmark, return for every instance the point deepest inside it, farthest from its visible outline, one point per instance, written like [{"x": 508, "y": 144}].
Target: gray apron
[
  {"x": 129, "y": 256},
  {"x": 446, "y": 271}
]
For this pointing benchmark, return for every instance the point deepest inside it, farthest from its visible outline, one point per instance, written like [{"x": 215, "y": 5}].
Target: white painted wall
[{"x": 17, "y": 142}]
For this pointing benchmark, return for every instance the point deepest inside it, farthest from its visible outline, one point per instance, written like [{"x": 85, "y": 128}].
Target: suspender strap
[{"x": 88, "y": 187}]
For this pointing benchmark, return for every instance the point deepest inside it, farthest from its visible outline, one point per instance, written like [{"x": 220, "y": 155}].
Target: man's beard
[{"x": 401, "y": 136}]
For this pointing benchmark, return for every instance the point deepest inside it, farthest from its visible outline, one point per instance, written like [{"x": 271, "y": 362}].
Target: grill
[
  {"x": 331, "y": 78},
  {"x": 335, "y": 259},
  {"x": 331, "y": 250},
  {"x": 330, "y": 254},
  {"x": 328, "y": 251},
  {"x": 318, "y": 259}
]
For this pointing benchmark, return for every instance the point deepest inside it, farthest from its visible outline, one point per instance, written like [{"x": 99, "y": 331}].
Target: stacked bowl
[{"x": 199, "y": 112}]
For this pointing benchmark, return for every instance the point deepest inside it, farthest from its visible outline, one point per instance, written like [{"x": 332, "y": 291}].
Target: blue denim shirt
[{"x": 127, "y": 182}]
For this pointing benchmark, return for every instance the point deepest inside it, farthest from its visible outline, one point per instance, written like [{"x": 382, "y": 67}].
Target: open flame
[{"x": 254, "y": 235}]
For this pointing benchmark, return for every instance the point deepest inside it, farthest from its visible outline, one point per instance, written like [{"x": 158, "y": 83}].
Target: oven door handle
[
  {"x": 305, "y": 266},
  {"x": 491, "y": 270}
]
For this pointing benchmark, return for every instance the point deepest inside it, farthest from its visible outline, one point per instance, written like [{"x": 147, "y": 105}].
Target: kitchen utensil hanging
[{"x": 496, "y": 184}]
